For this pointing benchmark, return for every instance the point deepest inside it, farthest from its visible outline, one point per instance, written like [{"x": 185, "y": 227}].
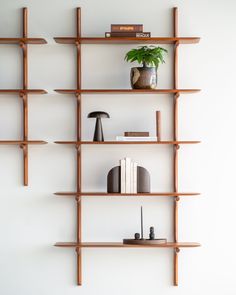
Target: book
[
  {"x": 122, "y": 176},
  {"x": 132, "y": 177},
  {"x": 127, "y": 175},
  {"x": 128, "y": 34},
  {"x": 126, "y": 28},
  {"x": 136, "y": 134},
  {"x": 135, "y": 172},
  {"x": 136, "y": 138}
]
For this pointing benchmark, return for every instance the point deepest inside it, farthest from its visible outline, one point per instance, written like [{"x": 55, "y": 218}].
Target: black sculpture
[
  {"x": 98, "y": 133},
  {"x": 151, "y": 234},
  {"x": 139, "y": 239}
]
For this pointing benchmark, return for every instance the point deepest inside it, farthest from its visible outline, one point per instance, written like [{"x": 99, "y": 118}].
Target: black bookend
[{"x": 143, "y": 180}]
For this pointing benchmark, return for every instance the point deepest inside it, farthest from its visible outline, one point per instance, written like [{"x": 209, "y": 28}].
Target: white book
[
  {"x": 135, "y": 183},
  {"x": 132, "y": 177},
  {"x": 127, "y": 175},
  {"x": 122, "y": 176},
  {"x": 135, "y": 138}
]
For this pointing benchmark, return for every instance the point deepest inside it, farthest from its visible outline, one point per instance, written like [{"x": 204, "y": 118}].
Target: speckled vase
[{"x": 143, "y": 77}]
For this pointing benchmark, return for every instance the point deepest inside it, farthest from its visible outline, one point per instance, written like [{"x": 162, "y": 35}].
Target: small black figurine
[
  {"x": 98, "y": 133},
  {"x": 152, "y": 234},
  {"x": 137, "y": 236}
]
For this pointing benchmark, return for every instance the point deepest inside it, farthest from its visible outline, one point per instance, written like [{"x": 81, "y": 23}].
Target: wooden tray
[{"x": 144, "y": 241}]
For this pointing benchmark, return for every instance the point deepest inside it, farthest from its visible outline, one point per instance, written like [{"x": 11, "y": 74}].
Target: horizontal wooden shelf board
[
  {"x": 22, "y": 40},
  {"x": 22, "y": 142},
  {"x": 127, "y": 91},
  {"x": 94, "y": 194},
  {"x": 121, "y": 245},
  {"x": 126, "y": 40},
  {"x": 22, "y": 91},
  {"x": 125, "y": 142}
]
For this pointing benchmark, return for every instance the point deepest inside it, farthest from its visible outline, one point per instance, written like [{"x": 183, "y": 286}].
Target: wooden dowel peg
[
  {"x": 25, "y": 22},
  {"x": 158, "y": 125}
]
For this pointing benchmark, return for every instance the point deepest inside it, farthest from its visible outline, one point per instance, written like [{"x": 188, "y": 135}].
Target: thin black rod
[{"x": 142, "y": 222}]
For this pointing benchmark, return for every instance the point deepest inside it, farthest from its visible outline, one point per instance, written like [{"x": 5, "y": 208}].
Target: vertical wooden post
[
  {"x": 24, "y": 95},
  {"x": 78, "y": 121},
  {"x": 176, "y": 146},
  {"x": 158, "y": 125}
]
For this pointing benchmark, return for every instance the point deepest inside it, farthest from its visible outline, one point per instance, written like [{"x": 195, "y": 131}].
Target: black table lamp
[{"x": 98, "y": 133}]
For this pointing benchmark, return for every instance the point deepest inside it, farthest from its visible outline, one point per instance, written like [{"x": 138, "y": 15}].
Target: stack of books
[
  {"x": 136, "y": 136},
  {"x": 128, "y": 176},
  {"x": 132, "y": 30}
]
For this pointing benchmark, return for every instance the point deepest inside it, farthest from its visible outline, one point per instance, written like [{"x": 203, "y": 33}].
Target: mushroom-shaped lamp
[{"x": 98, "y": 133}]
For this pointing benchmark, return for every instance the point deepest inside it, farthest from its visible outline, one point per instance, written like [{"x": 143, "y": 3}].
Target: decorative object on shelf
[
  {"x": 127, "y": 34},
  {"x": 133, "y": 31},
  {"x": 98, "y": 132},
  {"x": 152, "y": 233},
  {"x": 126, "y": 28},
  {"x": 139, "y": 240},
  {"x": 128, "y": 178},
  {"x": 158, "y": 125},
  {"x": 136, "y": 134},
  {"x": 150, "y": 57},
  {"x": 136, "y": 138}
]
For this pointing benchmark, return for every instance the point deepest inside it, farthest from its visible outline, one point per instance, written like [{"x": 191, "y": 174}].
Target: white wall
[{"x": 32, "y": 219}]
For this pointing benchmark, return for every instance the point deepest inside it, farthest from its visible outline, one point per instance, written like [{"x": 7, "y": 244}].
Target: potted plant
[{"x": 150, "y": 57}]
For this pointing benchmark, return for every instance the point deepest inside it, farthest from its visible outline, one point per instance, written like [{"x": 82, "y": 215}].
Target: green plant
[{"x": 146, "y": 55}]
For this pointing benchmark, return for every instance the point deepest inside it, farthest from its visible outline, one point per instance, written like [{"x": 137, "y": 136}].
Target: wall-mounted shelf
[
  {"x": 121, "y": 245},
  {"x": 126, "y": 40},
  {"x": 125, "y": 142},
  {"x": 24, "y": 92},
  {"x": 104, "y": 194},
  {"x": 78, "y": 92},
  {"x": 126, "y": 91},
  {"x": 19, "y": 41},
  {"x": 22, "y": 142}
]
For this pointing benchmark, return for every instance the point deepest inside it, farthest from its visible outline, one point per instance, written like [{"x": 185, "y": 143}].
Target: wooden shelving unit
[
  {"x": 24, "y": 92},
  {"x": 175, "y": 195}
]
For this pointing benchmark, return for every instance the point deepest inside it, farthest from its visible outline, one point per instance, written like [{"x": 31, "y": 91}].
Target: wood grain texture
[
  {"x": 126, "y": 142},
  {"x": 121, "y": 245},
  {"x": 176, "y": 147},
  {"x": 153, "y": 194},
  {"x": 22, "y": 91},
  {"x": 22, "y": 142},
  {"x": 126, "y": 40},
  {"x": 79, "y": 156},
  {"x": 18, "y": 41},
  {"x": 126, "y": 91}
]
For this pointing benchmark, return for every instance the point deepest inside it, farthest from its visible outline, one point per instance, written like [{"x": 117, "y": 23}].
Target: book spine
[
  {"x": 137, "y": 134},
  {"x": 135, "y": 138},
  {"x": 131, "y": 177},
  {"x": 122, "y": 176},
  {"x": 127, "y": 175},
  {"x": 128, "y": 34},
  {"x": 126, "y": 28},
  {"x": 135, "y": 171}
]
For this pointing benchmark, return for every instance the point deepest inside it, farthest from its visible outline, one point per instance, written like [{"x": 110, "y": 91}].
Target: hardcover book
[
  {"x": 136, "y": 133},
  {"x": 128, "y": 34},
  {"x": 136, "y": 138},
  {"x": 126, "y": 28}
]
